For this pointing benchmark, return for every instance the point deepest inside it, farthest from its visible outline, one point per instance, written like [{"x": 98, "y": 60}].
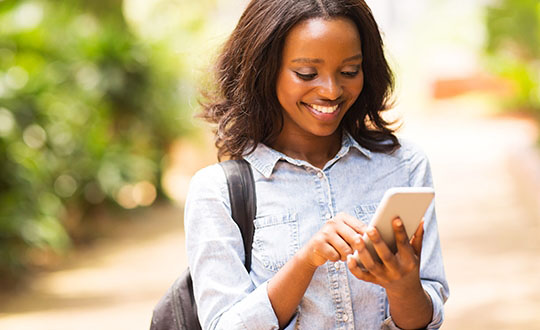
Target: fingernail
[{"x": 399, "y": 223}]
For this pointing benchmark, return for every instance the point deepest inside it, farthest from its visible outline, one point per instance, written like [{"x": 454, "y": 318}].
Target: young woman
[{"x": 301, "y": 87}]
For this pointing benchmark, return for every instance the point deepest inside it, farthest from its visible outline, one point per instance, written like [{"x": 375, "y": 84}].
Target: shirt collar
[
  {"x": 349, "y": 142},
  {"x": 264, "y": 158}
]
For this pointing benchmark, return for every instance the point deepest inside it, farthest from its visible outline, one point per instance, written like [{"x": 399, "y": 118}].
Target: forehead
[{"x": 319, "y": 38}]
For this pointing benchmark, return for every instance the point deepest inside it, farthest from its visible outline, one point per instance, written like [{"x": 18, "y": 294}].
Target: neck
[{"x": 316, "y": 150}]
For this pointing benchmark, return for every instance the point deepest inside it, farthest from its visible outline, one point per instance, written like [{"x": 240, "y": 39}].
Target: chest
[{"x": 294, "y": 202}]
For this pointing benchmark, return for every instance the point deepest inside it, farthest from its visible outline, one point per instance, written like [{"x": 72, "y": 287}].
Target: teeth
[{"x": 324, "y": 109}]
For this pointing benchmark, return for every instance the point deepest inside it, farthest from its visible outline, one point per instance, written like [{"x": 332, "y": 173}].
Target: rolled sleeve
[
  {"x": 253, "y": 312},
  {"x": 389, "y": 324},
  {"x": 438, "y": 311},
  {"x": 225, "y": 294},
  {"x": 438, "y": 308}
]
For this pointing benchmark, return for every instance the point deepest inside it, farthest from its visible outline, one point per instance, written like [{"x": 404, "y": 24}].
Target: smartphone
[{"x": 409, "y": 204}]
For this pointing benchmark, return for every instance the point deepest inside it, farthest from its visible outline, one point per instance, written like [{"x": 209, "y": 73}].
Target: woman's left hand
[{"x": 398, "y": 272}]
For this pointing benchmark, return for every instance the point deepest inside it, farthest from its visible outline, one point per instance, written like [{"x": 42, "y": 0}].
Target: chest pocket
[
  {"x": 275, "y": 239},
  {"x": 365, "y": 212}
]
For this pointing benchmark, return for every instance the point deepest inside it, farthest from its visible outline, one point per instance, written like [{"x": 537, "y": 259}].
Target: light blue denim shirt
[{"x": 294, "y": 199}]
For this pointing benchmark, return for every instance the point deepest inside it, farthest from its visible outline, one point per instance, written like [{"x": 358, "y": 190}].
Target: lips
[
  {"x": 324, "y": 109},
  {"x": 323, "y": 112}
]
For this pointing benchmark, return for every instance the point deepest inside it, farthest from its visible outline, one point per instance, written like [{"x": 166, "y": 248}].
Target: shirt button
[
  {"x": 327, "y": 216},
  {"x": 336, "y": 265},
  {"x": 319, "y": 174},
  {"x": 345, "y": 317}
]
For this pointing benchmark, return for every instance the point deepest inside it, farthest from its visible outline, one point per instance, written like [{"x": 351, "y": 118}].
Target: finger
[
  {"x": 340, "y": 245},
  {"x": 325, "y": 251},
  {"x": 335, "y": 233},
  {"x": 383, "y": 251},
  {"x": 357, "y": 225},
  {"x": 350, "y": 237},
  {"x": 357, "y": 271},
  {"x": 365, "y": 257},
  {"x": 356, "y": 242},
  {"x": 418, "y": 238},
  {"x": 404, "y": 248}
]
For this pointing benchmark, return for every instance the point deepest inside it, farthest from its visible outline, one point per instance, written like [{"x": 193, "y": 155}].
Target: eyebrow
[
  {"x": 318, "y": 60},
  {"x": 352, "y": 58}
]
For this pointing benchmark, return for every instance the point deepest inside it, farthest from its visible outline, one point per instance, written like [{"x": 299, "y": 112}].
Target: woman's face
[{"x": 320, "y": 76}]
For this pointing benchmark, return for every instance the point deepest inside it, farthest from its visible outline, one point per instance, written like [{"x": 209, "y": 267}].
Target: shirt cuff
[
  {"x": 438, "y": 312},
  {"x": 256, "y": 310},
  {"x": 389, "y": 324},
  {"x": 438, "y": 308}
]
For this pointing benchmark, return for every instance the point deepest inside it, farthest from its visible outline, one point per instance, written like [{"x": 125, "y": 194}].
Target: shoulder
[
  {"x": 207, "y": 198},
  {"x": 410, "y": 151},
  {"x": 208, "y": 181},
  {"x": 212, "y": 173},
  {"x": 407, "y": 152},
  {"x": 416, "y": 161}
]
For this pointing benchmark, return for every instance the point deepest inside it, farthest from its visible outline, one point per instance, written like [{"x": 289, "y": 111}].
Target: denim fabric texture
[{"x": 294, "y": 199}]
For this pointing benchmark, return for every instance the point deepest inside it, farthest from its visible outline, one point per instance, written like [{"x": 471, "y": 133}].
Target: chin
[{"x": 326, "y": 132}]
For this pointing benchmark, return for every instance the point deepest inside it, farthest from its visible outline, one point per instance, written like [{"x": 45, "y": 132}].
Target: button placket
[{"x": 323, "y": 178}]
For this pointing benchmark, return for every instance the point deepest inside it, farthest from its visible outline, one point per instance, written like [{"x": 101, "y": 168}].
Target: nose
[{"x": 330, "y": 88}]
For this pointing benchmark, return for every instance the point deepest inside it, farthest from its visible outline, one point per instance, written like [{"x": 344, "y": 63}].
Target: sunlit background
[{"x": 98, "y": 144}]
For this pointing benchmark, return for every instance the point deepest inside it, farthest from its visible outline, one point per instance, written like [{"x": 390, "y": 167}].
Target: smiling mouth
[{"x": 323, "y": 109}]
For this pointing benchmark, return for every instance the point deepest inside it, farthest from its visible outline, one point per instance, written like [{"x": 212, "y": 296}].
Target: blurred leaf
[
  {"x": 513, "y": 39},
  {"x": 86, "y": 110}
]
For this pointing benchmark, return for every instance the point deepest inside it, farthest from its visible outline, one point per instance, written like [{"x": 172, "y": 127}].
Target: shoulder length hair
[{"x": 245, "y": 106}]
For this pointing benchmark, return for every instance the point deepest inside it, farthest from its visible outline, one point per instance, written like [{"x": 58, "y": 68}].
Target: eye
[
  {"x": 306, "y": 76},
  {"x": 350, "y": 74},
  {"x": 351, "y": 71}
]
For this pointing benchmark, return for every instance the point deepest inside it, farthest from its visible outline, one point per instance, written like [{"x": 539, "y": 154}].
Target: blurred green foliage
[
  {"x": 86, "y": 109},
  {"x": 513, "y": 46}
]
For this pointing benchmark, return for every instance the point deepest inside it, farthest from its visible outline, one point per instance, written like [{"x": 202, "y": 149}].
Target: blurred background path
[
  {"x": 484, "y": 167},
  {"x": 486, "y": 178}
]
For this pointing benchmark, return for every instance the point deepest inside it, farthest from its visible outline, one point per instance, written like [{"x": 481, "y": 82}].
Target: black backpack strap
[
  {"x": 177, "y": 309},
  {"x": 243, "y": 200}
]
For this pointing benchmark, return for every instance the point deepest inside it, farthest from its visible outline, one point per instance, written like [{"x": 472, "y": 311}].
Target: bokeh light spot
[
  {"x": 16, "y": 77},
  {"x": 28, "y": 16},
  {"x": 124, "y": 197},
  {"x": 88, "y": 77},
  {"x": 144, "y": 193},
  {"x": 34, "y": 136},
  {"x": 7, "y": 122},
  {"x": 65, "y": 185},
  {"x": 93, "y": 193}
]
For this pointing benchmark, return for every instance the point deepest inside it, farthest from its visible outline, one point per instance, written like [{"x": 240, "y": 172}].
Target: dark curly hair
[{"x": 245, "y": 106}]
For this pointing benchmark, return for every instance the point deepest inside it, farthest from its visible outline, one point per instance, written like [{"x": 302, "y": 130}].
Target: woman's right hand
[{"x": 337, "y": 238}]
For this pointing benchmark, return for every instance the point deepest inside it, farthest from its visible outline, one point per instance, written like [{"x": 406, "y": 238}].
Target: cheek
[
  {"x": 288, "y": 91},
  {"x": 283, "y": 97},
  {"x": 359, "y": 86},
  {"x": 356, "y": 87},
  {"x": 354, "y": 91}
]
